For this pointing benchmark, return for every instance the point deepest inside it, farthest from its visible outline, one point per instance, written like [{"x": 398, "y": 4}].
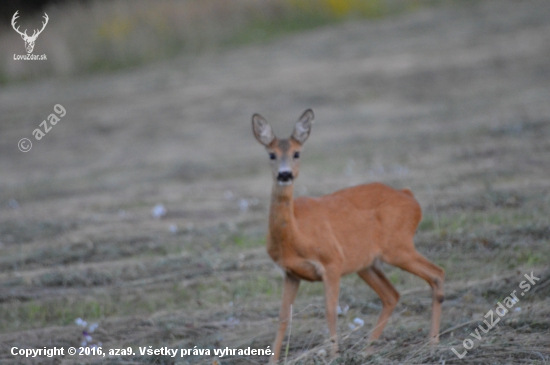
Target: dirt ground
[{"x": 452, "y": 102}]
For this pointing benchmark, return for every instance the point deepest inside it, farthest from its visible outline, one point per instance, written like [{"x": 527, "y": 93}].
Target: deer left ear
[{"x": 303, "y": 127}]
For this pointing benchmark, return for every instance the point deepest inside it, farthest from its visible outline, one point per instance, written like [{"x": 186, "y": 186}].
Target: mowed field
[{"x": 451, "y": 102}]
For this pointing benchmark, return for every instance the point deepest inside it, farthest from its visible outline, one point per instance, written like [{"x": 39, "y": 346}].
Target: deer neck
[{"x": 282, "y": 223}]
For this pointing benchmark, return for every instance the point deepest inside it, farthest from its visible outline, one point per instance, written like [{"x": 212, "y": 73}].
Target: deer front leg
[
  {"x": 331, "y": 281},
  {"x": 290, "y": 288}
]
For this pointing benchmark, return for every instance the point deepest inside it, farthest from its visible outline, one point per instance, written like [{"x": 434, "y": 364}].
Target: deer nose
[{"x": 284, "y": 176}]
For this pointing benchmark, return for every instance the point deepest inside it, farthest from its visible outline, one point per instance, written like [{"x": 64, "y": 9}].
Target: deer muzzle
[{"x": 284, "y": 177}]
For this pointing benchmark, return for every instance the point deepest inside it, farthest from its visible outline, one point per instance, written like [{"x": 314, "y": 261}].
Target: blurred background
[
  {"x": 139, "y": 216},
  {"x": 90, "y": 36}
]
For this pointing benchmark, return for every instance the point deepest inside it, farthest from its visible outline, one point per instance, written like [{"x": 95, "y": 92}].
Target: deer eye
[
  {"x": 296, "y": 154},
  {"x": 272, "y": 156}
]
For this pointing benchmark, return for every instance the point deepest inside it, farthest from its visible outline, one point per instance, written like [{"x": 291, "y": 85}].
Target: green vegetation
[
  {"x": 307, "y": 14},
  {"x": 242, "y": 241},
  {"x": 37, "y": 314},
  {"x": 103, "y": 36}
]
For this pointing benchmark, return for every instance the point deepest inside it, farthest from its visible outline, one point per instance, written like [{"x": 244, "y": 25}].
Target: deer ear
[
  {"x": 303, "y": 127},
  {"x": 262, "y": 130}
]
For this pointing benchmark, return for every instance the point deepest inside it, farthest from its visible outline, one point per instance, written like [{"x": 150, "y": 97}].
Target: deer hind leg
[
  {"x": 290, "y": 289},
  {"x": 376, "y": 279},
  {"x": 418, "y": 265}
]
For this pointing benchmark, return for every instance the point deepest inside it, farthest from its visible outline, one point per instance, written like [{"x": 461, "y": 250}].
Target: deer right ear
[{"x": 262, "y": 130}]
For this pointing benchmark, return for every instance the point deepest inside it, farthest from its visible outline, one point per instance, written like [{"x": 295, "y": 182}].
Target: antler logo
[{"x": 29, "y": 41}]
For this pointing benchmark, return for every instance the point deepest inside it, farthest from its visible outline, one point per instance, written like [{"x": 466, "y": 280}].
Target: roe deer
[{"x": 341, "y": 233}]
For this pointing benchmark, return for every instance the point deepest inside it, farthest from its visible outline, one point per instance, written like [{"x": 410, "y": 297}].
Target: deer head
[
  {"x": 284, "y": 154},
  {"x": 29, "y": 41}
]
